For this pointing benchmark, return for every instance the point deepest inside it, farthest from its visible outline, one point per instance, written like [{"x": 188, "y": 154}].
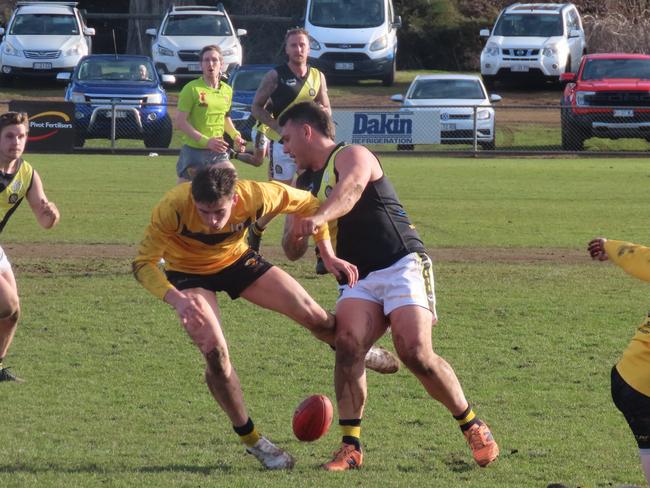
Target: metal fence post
[
  {"x": 113, "y": 123},
  {"x": 475, "y": 136}
]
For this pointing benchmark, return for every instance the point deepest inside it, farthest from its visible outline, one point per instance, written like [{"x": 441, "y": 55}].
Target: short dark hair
[
  {"x": 312, "y": 114},
  {"x": 295, "y": 31},
  {"x": 212, "y": 183},
  {"x": 210, "y": 47},
  {"x": 14, "y": 118}
]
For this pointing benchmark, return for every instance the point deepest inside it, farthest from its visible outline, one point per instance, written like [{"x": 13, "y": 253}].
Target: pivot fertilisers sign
[
  {"x": 51, "y": 127},
  {"x": 396, "y": 127}
]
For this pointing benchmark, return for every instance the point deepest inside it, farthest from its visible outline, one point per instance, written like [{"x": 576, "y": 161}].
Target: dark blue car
[
  {"x": 125, "y": 87},
  {"x": 244, "y": 82}
]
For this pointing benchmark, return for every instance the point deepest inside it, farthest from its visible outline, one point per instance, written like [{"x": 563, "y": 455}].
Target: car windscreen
[
  {"x": 115, "y": 70},
  {"x": 598, "y": 69},
  {"x": 247, "y": 80},
  {"x": 197, "y": 25},
  {"x": 529, "y": 25},
  {"x": 447, "y": 89},
  {"x": 347, "y": 14},
  {"x": 44, "y": 25}
]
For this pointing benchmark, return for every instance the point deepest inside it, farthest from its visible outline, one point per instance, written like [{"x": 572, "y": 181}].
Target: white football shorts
[
  {"x": 409, "y": 281},
  {"x": 5, "y": 265},
  {"x": 282, "y": 166}
]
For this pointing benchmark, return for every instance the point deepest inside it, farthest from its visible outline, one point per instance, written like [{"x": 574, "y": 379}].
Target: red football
[{"x": 312, "y": 418}]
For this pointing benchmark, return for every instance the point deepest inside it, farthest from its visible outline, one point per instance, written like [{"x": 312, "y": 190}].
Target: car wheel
[
  {"x": 405, "y": 147},
  {"x": 160, "y": 135},
  {"x": 389, "y": 78},
  {"x": 573, "y": 137}
]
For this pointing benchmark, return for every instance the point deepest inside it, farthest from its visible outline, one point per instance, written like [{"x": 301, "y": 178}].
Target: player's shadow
[
  {"x": 174, "y": 468},
  {"x": 96, "y": 468}
]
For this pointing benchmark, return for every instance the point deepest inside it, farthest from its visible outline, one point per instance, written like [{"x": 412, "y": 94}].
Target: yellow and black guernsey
[
  {"x": 292, "y": 89},
  {"x": 13, "y": 189},
  {"x": 376, "y": 232},
  {"x": 177, "y": 233},
  {"x": 634, "y": 366}
]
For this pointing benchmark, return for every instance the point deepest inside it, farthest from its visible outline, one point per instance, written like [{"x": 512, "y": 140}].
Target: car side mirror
[
  {"x": 2, "y": 31},
  {"x": 89, "y": 31},
  {"x": 241, "y": 32},
  {"x": 494, "y": 98},
  {"x": 568, "y": 77},
  {"x": 574, "y": 33},
  {"x": 397, "y": 98},
  {"x": 63, "y": 76},
  {"x": 168, "y": 79},
  {"x": 151, "y": 32},
  {"x": 397, "y": 22},
  {"x": 484, "y": 33}
]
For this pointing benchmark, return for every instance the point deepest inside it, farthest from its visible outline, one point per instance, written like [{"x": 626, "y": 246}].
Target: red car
[{"x": 608, "y": 97}]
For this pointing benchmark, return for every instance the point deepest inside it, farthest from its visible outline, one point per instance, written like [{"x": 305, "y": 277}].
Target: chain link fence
[{"x": 137, "y": 126}]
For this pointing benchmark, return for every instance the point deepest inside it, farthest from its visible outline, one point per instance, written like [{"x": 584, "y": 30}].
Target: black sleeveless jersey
[
  {"x": 377, "y": 232},
  {"x": 292, "y": 89}
]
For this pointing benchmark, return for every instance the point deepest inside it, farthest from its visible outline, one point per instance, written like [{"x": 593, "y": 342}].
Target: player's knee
[
  {"x": 10, "y": 310},
  {"x": 218, "y": 363},
  {"x": 350, "y": 349},
  {"x": 416, "y": 358}
]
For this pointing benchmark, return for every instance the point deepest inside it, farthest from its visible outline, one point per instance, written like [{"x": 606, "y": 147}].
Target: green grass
[{"x": 114, "y": 394}]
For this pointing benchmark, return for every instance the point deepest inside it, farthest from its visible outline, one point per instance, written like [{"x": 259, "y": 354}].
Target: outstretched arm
[
  {"x": 633, "y": 258},
  {"x": 45, "y": 211}
]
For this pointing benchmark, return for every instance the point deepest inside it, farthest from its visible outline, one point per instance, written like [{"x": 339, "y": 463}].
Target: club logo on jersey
[
  {"x": 328, "y": 191},
  {"x": 250, "y": 262},
  {"x": 237, "y": 227},
  {"x": 16, "y": 186},
  {"x": 202, "y": 100},
  {"x": 312, "y": 92},
  {"x": 291, "y": 82},
  {"x": 13, "y": 198},
  {"x": 278, "y": 169}
]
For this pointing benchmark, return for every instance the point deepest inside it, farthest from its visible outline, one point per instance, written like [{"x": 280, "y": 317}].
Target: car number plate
[
  {"x": 344, "y": 66},
  {"x": 624, "y": 113},
  {"x": 194, "y": 67},
  {"x": 445, "y": 126},
  {"x": 119, "y": 114},
  {"x": 42, "y": 65},
  {"x": 519, "y": 68}
]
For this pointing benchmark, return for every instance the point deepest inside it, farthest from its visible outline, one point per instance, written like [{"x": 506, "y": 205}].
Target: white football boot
[
  {"x": 271, "y": 456},
  {"x": 381, "y": 360}
]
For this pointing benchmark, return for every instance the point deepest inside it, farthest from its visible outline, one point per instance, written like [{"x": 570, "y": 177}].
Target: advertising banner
[
  {"x": 394, "y": 127},
  {"x": 51, "y": 127}
]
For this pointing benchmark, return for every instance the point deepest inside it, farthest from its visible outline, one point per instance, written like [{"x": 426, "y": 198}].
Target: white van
[{"x": 353, "y": 39}]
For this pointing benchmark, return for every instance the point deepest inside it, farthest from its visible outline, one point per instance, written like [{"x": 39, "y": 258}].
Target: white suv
[
  {"x": 44, "y": 38},
  {"x": 541, "y": 40},
  {"x": 185, "y": 30}
]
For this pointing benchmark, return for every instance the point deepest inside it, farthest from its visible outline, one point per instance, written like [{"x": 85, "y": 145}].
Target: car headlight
[
  {"x": 75, "y": 50},
  {"x": 550, "y": 51},
  {"x": 314, "y": 45},
  {"x": 379, "y": 44},
  {"x": 483, "y": 114},
  {"x": 156, "y": 98},
  {"x": 163, "y": 51},
  {"x": 491, "y": 49},
  {"x": 77, "y": 97},
  {"x": 228, "y": 52},
  {"x": 11, "y": 50},
  {"x": 581, "y": 98}
]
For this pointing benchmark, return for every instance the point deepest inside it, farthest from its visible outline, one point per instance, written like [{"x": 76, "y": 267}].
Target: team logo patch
[
  {"x": 328, "y": 190},
  {"x": 278, "y": 169},
  {"x": 250, "y": 262},
  {"x": 13, "y": 198},
  {"x": 291, "y": 82},
  {"x": 16, "y": 186},
  {"x": 202, "y": 100},
  {"x": 312, "y": 92}
]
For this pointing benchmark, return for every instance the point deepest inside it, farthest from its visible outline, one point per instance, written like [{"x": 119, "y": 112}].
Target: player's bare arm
[
  {"x": 46, "y": 212},
  {"x": 323, "y": 98},
  {"x": 338, "y": 267},
  {"x": 267, "y": 87},
  {"x": 597, "y": 250},
  {"x": 239, "y": 142},
  {"x": 293, "y": 244}
]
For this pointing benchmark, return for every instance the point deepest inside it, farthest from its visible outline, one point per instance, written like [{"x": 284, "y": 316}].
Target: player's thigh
[
  {"x": 411, "y": 328},
  {"x": 8, "y": 288},
  {"x": 359, "y": 322},
  {"x": 278, "y": 291},
  {"x": 206, "y": 333}
]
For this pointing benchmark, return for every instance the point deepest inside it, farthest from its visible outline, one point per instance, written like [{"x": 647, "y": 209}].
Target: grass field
[{"x": 114, "y": 393}]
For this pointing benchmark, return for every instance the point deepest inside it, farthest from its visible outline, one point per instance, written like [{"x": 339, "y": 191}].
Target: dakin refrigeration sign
[{"x": 395, "y": 127}]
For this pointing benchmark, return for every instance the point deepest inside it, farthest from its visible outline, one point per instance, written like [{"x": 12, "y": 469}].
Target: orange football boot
[
  {"x": 347, "y": 457},
  {"x": 480, "y": 440}
]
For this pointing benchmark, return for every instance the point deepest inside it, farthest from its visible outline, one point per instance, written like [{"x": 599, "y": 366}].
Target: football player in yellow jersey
[
  {"x": 203, "y": 116},
  {"x": 631, "y": 376},
  {"x": 18, "y": 180},
  {"x": 199, "y": 228}
]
